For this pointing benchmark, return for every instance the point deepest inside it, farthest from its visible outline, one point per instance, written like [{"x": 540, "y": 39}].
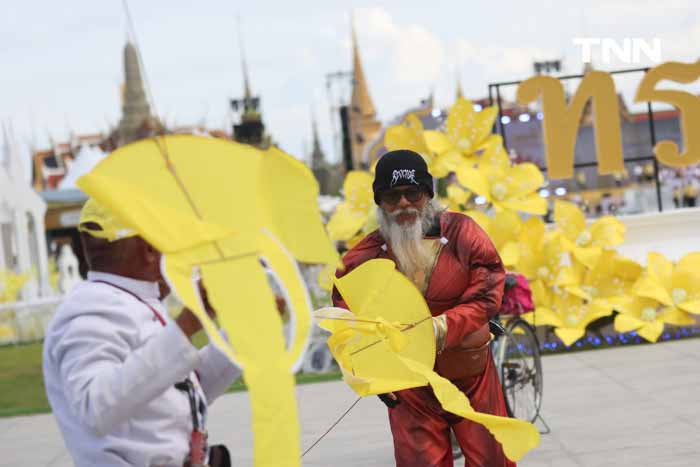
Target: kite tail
[
  {"x": 254, "y": 327},
  {"x": 517, "y": 437}
]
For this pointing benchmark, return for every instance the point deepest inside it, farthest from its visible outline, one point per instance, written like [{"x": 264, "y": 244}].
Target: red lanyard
[
  {"x": 198, "y": 436},
  {"x": 158, "y": 316}
]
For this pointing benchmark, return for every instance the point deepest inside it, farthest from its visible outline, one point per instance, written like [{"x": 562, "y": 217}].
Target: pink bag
[{"x": 517, "y": 297}]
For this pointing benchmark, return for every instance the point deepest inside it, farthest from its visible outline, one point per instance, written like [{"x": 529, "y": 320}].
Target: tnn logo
[{"x": 630, "y": 50}]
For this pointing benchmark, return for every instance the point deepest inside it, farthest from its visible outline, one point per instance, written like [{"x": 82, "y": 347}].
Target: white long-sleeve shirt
[{"x": 110, "y": 367}]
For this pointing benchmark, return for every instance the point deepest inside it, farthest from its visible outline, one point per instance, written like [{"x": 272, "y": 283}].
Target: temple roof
[{"x": 361, "y": 101}]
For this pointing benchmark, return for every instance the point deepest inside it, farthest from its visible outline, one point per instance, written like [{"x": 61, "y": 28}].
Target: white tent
[{"x": 86, "y": 159}]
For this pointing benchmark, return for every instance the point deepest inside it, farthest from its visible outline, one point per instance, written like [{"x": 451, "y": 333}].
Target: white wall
[{"x": 673, "y": 233}]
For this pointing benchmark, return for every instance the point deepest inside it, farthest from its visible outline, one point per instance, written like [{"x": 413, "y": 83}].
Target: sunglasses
[{"x": 412, "y": 195}]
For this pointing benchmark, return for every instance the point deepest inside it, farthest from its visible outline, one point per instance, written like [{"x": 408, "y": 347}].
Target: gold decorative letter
[
  {"x": 561, "y": 122},
  {"x": 688, "y": 105}
]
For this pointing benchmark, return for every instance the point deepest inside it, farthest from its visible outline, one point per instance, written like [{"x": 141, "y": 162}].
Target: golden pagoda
[{"x": 364, "y": 125}]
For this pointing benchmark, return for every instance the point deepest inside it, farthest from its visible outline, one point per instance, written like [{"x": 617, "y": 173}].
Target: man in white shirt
[{"x": 113, "y": 358}]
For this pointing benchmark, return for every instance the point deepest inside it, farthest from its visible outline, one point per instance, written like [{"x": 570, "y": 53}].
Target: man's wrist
[
  {"x": 188, "y": 323},
  {"x": 440, "y": 330}
]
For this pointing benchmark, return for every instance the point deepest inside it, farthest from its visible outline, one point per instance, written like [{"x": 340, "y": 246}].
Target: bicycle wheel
[{"x": 520, "y": 368}]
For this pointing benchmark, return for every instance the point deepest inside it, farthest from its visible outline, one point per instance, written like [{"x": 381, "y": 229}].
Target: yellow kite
[
  {"x": 219, "y": 209},
  {"x": 387, "y": 344}
]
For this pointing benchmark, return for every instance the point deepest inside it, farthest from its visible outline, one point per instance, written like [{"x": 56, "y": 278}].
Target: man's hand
[
  {"x": 187, "y": 321},
  {"x": 390, "y": 399},
  {"x": 205, "y": 300},
  {"x": 281, "y": 304}
]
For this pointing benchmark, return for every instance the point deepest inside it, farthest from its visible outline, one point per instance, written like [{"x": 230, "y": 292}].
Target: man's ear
[{"x": 151, "y": 254}]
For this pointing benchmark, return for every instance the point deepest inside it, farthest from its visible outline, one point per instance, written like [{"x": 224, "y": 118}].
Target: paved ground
[{"x": 632, "y": 406}]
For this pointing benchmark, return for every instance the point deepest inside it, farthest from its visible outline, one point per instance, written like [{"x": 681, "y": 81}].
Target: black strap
[{"x": 188, "y": 387}]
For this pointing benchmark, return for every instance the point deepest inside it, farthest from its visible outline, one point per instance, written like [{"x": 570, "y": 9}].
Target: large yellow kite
[
  {"x": 217, "y": 209},
  {"x": 387, "y": 344}
]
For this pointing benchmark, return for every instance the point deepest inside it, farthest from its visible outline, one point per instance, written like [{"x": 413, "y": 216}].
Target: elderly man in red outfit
[{"x": 457, "y": 269}]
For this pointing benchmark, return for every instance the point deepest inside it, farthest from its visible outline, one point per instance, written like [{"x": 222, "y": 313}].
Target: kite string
[
  {"x": 356, "y": 320},
  {"x": 162, "y": 148},
  {"x": 409, "y": 327},
  {"x": 352, "y": 406}
]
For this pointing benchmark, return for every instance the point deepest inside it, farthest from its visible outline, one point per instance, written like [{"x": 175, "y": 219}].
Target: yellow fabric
[
  {"x": 110, "y": 228},
  {"x": 354, "y": 212},
  {"x": 219, "y": 207},
  {"x": 375, "y": 361}
]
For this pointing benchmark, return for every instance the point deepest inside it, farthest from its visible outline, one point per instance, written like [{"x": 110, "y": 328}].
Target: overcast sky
[{"x": 61, "y": 62}]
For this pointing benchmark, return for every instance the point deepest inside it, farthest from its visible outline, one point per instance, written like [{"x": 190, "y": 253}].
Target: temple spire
[
  {"x": 363, "y": 124},
  {"x": 318, "y": 158},
  {"x": 328, "y": 182},
  {"x": 136, "y": 113},
  {"x": 250, "y": 129},
  {"x": 247, "y": 94},
  {"x": 361, "y": 101},
  {"x": 460, "y": 94}
]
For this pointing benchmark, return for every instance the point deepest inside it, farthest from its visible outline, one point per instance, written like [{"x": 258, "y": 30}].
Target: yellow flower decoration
[
  {"x": 567, "y": 313},
  {"x": 643, "y": 315},
  {"x": 410, "y": 135},
  {"x": 506, "y": 187},
  {"x": 353, "y": 213},
  {"x": 494, "y": 154},
  {"x": 11, "y": 284},
  {"x": 457, "y": 197},
  {"x": 586, "y": 242},
  {"x": 467, "y": 130},
  {"x": 540, "y": 254},
  {"x": 610, "y": 281},
  {"x": 504, "y": 229},
  {"x": 677, "y": 288}
]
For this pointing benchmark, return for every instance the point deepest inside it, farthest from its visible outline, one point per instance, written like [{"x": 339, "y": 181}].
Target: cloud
[
  {"x": 193, "y": 62},
  {"x": 500, "y": 60},
  {"x": 415, "y": 54}
]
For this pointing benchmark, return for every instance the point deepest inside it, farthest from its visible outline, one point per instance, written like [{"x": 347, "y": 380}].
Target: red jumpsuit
[{"x": 467, "y": 286}]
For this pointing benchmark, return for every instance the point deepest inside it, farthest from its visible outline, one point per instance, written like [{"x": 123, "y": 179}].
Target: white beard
[{"x": 406, "y": 241}]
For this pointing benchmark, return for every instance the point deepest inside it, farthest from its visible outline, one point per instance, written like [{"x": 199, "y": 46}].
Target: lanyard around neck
[
  {"x": 186, "y": 385},
  {"x": 158, "y": 316}
]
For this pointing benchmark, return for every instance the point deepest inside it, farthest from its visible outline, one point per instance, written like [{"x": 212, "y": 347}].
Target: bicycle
[{"x": 516, "y": 353}]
